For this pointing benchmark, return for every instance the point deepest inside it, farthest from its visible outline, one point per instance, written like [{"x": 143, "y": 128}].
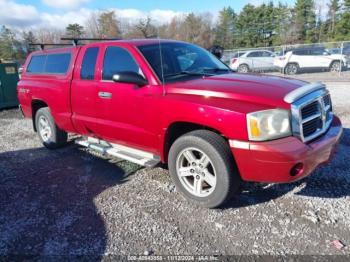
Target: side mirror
[{"x": 130, "y": 77}]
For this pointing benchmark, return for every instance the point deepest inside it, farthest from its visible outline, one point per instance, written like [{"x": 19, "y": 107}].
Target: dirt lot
[{"x": 74, "y": 203}]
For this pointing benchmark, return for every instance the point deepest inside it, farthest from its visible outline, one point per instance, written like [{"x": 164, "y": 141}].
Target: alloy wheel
[
  {"x": 196, "y": 172},
  {"x": 44, "y": 129}
]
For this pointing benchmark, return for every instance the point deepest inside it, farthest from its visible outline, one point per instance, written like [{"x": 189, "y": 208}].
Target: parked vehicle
[
  {"x": 160, "y": 101},
  {"x": 334, "y": 51},
  {"x": 230, "y": 58},
  {"x": 302, "y": 59},
  {"x": 253, "y": 60}
]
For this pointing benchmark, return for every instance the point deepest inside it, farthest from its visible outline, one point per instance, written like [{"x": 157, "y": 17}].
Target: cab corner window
[
  {"x": 117, "y": 60},
  {"x": 37, "y": 64},
  {"x": 49, "y": 64},
  {"x": 57, "y": 63},
  {"x": 89, "y": 63}
]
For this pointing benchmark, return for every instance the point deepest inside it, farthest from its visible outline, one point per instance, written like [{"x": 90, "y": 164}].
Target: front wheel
[
  {"x": 335, "y": 67},
  {"x": 291, "y": 69},
  {"x": 203, "y": 169},
  {"x": 49, "y": 133}
]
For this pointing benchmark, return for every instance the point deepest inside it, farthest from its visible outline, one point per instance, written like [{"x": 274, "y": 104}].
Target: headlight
[{"x": 268, "y": 124}]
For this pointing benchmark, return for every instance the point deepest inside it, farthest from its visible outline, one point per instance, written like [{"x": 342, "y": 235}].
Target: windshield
[{"x": 181, "y": 60}]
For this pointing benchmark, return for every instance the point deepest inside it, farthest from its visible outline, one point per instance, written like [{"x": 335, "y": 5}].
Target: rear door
[
  {"x": 254, "y": 60},
  {"x": 302, "y": 58},
  {"x": 267, "y": 59},
  {"x": 84, "y": 91}
]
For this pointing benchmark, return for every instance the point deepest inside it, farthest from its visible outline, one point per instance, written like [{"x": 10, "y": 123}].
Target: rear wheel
[
  {"x": 243, "y": 68},
  {"x": 49, "y": 133},
  {"x": 291, "y": 69},
  {"x": 203, "y": 169}
]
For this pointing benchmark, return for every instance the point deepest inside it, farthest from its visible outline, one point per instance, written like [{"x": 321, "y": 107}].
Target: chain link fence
[{"x": 332, "y": 59}]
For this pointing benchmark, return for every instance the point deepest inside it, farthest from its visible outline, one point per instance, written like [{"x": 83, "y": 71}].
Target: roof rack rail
[
  {"x": 76, "y": 40},
  {"x": 42, "y": 45}
]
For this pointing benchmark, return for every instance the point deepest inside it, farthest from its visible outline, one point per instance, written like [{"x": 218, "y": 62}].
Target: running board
[{"x": 136, "y": 156}]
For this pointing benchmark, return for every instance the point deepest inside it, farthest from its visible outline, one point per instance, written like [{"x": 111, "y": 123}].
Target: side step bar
[{"x": 136, "y": 156}]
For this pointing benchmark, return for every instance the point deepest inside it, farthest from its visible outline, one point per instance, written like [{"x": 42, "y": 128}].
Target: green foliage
[
  {"x": 342, "y": 27},
  {"x": 74, "y": 30},
  {"x": 305, "y": 19},
  {"x": 11, "y": 49},
  {"x": 224, "y": 32}
]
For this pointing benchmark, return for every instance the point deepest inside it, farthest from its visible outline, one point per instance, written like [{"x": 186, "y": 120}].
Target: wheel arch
[
  {"x": 334, "y": 61},
  {"x": 36, "y": 105},
  {"x": 179, "y": 128},
  {"x": 244, "y": 64}
]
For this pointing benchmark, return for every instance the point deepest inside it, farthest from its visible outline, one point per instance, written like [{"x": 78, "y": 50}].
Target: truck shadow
[
  {"x": 328, "y": 181},
  {"x": 47, "y": 202}
]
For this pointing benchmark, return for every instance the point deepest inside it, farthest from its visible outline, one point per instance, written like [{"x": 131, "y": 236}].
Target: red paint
[
  {"x": 140, "y": 117},
  {"x": 272, "y": 161}
]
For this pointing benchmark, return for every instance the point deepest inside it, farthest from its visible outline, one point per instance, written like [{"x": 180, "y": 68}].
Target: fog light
[{"x": 297, "y": 169}]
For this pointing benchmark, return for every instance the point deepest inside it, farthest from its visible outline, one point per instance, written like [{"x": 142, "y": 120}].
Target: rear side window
[
  {"x": 49, "y": 64},
  {"x": 118, "y": 60},
  {"x": 254, "y": 54},
  {"x": 37, "y": 64},
  {"x": 57, "y": 63},
  {"x": 88, "y": 65},
  {"x": 300, "y": 52}
]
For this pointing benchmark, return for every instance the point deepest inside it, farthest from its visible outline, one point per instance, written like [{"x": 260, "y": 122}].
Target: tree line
[{"x": 254, "y": 26}]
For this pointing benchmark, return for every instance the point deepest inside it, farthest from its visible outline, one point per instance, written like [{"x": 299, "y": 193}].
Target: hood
[
  {"x": 337, "y": 56},
  {"x": 253, "y": 88}
]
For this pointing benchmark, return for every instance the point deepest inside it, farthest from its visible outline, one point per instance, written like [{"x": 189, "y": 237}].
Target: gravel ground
[{"x": 71, "y": 202}]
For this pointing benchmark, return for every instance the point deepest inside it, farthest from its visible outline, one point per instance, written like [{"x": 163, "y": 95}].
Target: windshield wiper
[
  {"x": 215, "y": 70},
  {"x": 188, "y": 73}
]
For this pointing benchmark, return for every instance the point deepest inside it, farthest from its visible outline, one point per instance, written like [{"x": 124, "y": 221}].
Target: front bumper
[{"x": 273, "y": 161}]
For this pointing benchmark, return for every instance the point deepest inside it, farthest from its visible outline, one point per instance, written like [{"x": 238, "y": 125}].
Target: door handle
[{"x": 105, "y": 95}]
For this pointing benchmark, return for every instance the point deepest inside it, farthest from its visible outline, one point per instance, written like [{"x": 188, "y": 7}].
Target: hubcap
[
  {"x": 243, "y": 69},
  {"x": 44, "y": 129},
  {"x": 196, "y": 172},
  {"x": 292, "y": 69},
  {"x": 335, "y": 67}
]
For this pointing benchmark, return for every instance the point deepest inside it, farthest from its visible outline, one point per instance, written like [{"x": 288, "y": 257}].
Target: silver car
[{"x": 253, "y": 60}]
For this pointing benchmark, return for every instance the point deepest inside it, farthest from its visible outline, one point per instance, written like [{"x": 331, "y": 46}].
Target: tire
[
  {"x": 291, "y": 69},
  {"x": 243, "y": 68},
  {"x": 218, "y": 177},
  {"x": 49, "y": 133},
  {"x": 335, "y": 66}
]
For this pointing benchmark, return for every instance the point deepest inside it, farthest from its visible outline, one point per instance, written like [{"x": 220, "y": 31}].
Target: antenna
[{"x": 161, "y": 63}]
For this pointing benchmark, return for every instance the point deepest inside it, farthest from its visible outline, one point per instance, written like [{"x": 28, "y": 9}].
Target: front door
[{"x": 121, "y": 108}]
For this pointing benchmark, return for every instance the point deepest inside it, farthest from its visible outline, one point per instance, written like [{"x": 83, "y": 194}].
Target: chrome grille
[{"x": 312, "y": 115}]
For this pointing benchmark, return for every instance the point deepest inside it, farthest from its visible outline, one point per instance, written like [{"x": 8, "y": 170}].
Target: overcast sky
[{"x": 27, "y": 14}]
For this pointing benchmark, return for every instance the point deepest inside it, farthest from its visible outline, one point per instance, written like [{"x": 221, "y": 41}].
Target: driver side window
[{"x": 117, "y": 60}]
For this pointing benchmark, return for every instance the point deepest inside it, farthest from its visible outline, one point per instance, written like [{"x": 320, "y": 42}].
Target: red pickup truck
[{"x": 151, "y": 101}]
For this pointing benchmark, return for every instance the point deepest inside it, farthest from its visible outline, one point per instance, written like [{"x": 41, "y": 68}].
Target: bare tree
[
  {"x": 146, "y": 28},
  {"x": 91, "y": 25},
  {"x": 108, "y": 25}
]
